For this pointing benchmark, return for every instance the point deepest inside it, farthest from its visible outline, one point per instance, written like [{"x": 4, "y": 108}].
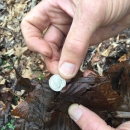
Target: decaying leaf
[
  {"x": 33, "y": 105},
  {"x": 123, "y": 58},
  {"x": 21, "y": 110},
  {"x": 19, "y": 50},
  {"x": 107, "y": 53},
  {"x": 48, "y": 108}
]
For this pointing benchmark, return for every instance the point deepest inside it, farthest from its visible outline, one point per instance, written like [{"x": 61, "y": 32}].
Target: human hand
[
  {"x": 88, "y": 120},
  {"x": 73, "y": 25}
]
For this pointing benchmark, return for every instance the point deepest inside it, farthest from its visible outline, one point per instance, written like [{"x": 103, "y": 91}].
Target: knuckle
[
  {"x": 89, "y": 6},
  {"x": 75, "y": 46}
]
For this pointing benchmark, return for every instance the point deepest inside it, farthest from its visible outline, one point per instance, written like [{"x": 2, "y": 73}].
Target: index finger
[{"x": 32, "y": 27}]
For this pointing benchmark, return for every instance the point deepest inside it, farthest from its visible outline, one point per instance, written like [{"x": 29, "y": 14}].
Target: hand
[
  {"x": 73, "y": 25},
  {"x": 88, "y": 120}
]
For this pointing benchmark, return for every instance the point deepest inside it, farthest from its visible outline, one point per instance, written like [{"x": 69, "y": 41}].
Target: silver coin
[{"x": 56, "y": 83}]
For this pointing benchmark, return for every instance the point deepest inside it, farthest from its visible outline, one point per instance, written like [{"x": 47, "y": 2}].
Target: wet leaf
[{"x": 21, "y": 110}]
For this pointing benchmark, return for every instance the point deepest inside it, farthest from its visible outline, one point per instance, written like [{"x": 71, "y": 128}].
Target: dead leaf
[
  {"x": 18, "y": 50},
  {"x": 123, "y": 58}
]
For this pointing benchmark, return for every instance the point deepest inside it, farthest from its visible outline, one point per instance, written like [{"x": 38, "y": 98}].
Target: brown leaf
[
  {"x": 61, "y": 121},
  {"x": 21, "y": 110}
]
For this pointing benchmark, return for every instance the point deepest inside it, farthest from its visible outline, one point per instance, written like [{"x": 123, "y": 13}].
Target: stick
[{"x": 121, "y": 114}]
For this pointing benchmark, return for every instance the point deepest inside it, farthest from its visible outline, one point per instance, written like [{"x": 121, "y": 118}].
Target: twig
[
  {"x": 14, "y": 84},
  {"x": 121, "y": 114},
  {"x": 7, "y": 113}
]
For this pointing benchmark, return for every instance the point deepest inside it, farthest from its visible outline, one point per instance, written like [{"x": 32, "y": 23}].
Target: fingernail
[
  {"x": 67, "y": 69},
  {"x": 75, "y": 112}
]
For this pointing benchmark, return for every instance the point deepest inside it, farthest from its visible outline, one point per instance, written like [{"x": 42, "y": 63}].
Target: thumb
[
  {"x": 77, "y": 41},
  {"x": 86, "y": 119}
]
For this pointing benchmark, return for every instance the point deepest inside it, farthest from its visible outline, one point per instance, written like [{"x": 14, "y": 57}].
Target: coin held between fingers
[{"x": 56, "y": 83}]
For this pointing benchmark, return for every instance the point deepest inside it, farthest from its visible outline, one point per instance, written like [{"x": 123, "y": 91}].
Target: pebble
[{"x": 56, "y": 83}]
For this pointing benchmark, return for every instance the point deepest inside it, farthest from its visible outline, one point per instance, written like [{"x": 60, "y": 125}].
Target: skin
[
  {"x": 88, "y": 120},
  {"x": 73, "y": 25}
]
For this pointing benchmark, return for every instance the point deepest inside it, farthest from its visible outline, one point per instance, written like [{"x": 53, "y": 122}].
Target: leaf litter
[{"x": 26, "y": 100}]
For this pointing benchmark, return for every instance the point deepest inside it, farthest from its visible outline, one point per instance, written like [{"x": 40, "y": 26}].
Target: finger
[
  {"x": 77, "y": 40},
  {"x": 55, "y": 38},
  {"x": 124, "y": 126},
  {"x": 110, "y": 31},
  {"x": 52, "y": 65},
  {"x": 33, "y": 25},
  {"x": 86, "y": 119}
]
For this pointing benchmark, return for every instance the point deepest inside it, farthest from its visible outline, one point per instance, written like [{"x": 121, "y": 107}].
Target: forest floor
[{"x": 27, "y": 102}]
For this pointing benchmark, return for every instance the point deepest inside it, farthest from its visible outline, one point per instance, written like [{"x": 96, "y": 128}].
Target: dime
[{"x": 56, "y": 83}]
